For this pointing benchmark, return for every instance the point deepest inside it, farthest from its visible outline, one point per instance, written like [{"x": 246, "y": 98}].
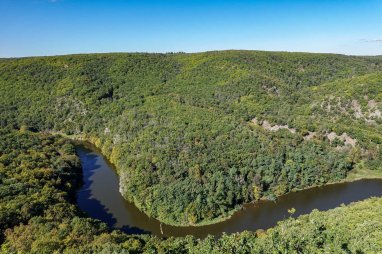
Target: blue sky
[{"x": 56, "y": 27}]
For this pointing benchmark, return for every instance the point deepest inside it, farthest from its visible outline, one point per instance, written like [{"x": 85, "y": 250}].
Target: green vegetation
[
  {"x": 178, "y": 126},
  {"x": 38, "y": 176}
]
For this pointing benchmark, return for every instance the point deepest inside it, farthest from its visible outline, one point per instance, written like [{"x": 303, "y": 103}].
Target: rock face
[
  {"x": 374, "y": 111},
  {"x": 368, "y": 113},
  {"x": 357, "y": 109},
  {"x": 331, "y": 136},
  {"x": 344, "y": 138},
  {"x": 266, "y": 125},
  {"x": 310, "y": 135}
]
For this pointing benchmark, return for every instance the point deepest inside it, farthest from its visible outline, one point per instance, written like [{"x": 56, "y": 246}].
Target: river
[{"x": 99, "y": 197}]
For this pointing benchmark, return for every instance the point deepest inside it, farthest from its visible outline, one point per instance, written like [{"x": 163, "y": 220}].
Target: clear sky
[{"x": 55, "y": 27}]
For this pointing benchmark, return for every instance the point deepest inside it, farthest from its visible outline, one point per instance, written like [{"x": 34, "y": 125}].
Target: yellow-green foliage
[
  {"x": 38, "y": 176},
  {"x": 178, "y": 124}
]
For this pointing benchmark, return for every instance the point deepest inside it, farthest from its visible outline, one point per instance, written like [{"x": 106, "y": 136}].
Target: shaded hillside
[{"x": 179, "y": 126}]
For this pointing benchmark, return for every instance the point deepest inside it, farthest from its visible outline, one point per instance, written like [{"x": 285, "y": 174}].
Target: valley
[{"x": 200, "y": 142}]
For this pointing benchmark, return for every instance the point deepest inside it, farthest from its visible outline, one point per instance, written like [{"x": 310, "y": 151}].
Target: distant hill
[{"x": 194, "y": 136}]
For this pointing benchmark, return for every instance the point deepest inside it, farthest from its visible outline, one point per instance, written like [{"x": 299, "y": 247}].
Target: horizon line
[{"x": 190, "y": 52}]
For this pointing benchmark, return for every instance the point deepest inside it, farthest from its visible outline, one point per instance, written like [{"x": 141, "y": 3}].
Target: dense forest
[
  {"x": 39, "y": 175},
  {"x": 194, "y": 136}
]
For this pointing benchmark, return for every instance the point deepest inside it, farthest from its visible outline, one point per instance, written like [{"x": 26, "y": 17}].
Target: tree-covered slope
[
  {"x": 179, "y": 126},
  {"x": 39, "y": 174}
]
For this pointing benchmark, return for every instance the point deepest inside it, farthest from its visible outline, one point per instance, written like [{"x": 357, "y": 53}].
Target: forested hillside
[
  {"x": 194, "y": 136},
  {"x": 39, "y": 175}
]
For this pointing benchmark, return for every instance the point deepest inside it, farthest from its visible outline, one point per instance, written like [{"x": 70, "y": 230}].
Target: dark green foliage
[
  {"x": 41, "y": 172},
  {"x": 178, "y": 125},
  {"x": 37, "y": 174}
]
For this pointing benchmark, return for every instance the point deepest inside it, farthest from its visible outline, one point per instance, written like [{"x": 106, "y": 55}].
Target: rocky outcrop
[{"x": 267, "y": 125}]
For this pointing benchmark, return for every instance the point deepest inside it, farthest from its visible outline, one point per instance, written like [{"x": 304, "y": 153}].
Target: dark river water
[{"x": 100, "y": 198}]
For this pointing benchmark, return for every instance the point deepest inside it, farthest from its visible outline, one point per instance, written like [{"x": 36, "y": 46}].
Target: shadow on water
[
  {"x": 86, "y": 201},
  {"x": 99, "y": 197},
  {"x": 96, "y": 179},
  {"x": 133, "y": 230}
]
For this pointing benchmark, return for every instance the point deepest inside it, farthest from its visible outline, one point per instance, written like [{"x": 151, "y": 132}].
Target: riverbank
[
  {"x": 91, "y": 142},
  {"x": 102, "y": 186},
  {"x": 54, "y": 230},
  {"x": 362, "y": 173}
]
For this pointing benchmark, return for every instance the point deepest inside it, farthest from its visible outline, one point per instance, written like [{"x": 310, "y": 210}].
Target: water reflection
[{"x": 100, "y": 198}]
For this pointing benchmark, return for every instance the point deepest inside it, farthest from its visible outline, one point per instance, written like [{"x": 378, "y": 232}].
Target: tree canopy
[
  {"x": 179, "y": 126},
  {"x": 39, "y": 176}
]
